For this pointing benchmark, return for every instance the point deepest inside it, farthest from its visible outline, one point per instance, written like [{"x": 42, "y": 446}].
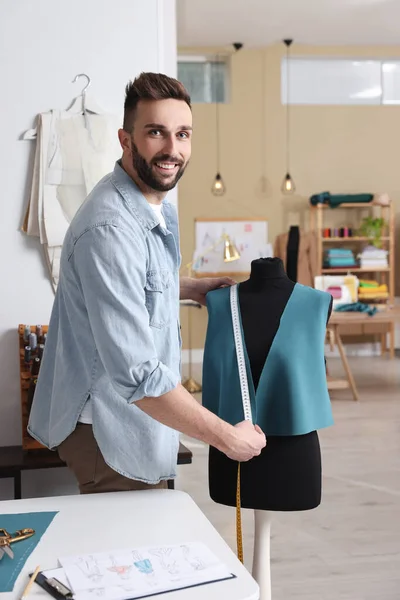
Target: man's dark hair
[{"x": 151, "y": 86}]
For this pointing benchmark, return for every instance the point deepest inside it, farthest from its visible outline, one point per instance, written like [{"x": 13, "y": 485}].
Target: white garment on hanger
[{"x": 73, "y": 153}]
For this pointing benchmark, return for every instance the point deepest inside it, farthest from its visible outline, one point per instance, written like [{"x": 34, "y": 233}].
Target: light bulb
[
  {"x": 218, "y": 187},
  {"x": 288, "y": 186}
]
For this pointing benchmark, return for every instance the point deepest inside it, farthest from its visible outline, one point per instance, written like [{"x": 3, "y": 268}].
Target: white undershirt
[
  {"x": 86, "y": 414},
  {"x": 157, "y": 209}
]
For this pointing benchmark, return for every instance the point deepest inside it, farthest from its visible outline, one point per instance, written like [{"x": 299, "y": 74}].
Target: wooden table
[
  {"x": 337, "y": 328},
  {"x": 14, "y": 460},
  {"x": 102, "y": 522}
]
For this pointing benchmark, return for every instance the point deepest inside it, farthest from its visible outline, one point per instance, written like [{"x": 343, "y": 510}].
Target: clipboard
[{"x": 43, "y": 581}]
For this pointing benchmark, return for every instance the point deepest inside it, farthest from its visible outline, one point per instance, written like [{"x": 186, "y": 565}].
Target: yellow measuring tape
[{"x": 239, "y": 535}]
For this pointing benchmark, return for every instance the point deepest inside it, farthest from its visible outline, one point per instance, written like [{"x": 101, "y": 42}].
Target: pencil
[{"x": 30, "y": 583}]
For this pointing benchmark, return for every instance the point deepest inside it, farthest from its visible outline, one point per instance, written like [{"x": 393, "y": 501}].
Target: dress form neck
[
  {"x": 266, "y": 272},
  {"x": 267, "y": 268}
]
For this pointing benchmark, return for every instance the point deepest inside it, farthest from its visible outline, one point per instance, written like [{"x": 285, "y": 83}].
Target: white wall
[{"x": 43, "y": 45}]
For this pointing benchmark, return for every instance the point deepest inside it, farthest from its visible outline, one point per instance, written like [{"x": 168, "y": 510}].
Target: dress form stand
[
  {"x": 286, "y": 476},
  {"x": 262, "y": 552},
  {"x": 261, "y": 570}
]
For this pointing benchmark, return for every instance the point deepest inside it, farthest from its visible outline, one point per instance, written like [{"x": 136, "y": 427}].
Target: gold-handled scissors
[{"x": 6, "y": 539}]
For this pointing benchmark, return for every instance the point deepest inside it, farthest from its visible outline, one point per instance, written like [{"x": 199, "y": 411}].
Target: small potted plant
[{"x": 372, "y": 228}]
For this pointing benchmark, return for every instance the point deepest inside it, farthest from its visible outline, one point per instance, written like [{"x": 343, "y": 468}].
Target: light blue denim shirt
[{"x": 114, "y": 331}]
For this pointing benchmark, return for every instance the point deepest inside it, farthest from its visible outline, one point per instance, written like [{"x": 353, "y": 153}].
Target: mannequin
[{"x": 287, "y": 474}]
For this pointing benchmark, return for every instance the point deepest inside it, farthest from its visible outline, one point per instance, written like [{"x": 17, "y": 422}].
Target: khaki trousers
[{"x": 83, "y": 457}]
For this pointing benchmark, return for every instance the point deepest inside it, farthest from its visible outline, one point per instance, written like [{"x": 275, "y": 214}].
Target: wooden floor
[{"x": 348, "y": 548}]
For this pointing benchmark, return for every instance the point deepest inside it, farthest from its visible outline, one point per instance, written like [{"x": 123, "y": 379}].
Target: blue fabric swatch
[
  {"x": 10, "y": 568},
  {"x": 357, "y": 307}
]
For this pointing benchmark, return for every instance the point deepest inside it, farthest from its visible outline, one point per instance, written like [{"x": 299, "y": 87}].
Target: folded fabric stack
[
  {"x": 371, "y": 290},
  {"x": 373, "y": 258},
  {"x": 339, "y": 258}
]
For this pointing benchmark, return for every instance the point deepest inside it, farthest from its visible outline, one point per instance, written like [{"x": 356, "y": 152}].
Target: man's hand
[
  {"x": 180, "y": 411},
  {"x": 247, "y": 442},
  {"x": 197, "y": 289}
]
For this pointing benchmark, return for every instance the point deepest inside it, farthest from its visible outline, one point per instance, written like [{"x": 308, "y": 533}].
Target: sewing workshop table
[
  {"x": 100, "y": 522},
  {"x": 338, "y": 323},
  {"x": 14, "y": 460}
]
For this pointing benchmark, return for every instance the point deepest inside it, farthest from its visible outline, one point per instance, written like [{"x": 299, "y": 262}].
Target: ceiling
[{"x": 261, "y": 22}]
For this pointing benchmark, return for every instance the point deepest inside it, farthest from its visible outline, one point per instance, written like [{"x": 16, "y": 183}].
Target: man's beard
[{"x": 149, "y": 177}]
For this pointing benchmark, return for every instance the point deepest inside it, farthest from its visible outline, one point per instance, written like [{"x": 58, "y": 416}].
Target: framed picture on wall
[{"x": 248, "y": 236}]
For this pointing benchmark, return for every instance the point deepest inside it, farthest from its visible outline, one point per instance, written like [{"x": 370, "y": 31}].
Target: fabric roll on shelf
[{"x": 334, "y": 200}]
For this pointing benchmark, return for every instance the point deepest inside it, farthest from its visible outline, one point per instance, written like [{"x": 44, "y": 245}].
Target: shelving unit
[
  {"x": 28, "y": 443},
  {"x": 355, "y": 270},
  {"x": 318, "y": 214},
  {"x": 354, "y": 239}
]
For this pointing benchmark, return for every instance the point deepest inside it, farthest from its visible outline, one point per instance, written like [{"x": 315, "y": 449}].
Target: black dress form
[{"x": 287, "y": 474}]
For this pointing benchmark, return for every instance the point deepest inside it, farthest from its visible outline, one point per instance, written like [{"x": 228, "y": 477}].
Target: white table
[{"x": 100, "y": 522}]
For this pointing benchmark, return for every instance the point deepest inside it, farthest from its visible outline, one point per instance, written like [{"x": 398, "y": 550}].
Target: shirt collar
[{"x": 134, "y": 197}]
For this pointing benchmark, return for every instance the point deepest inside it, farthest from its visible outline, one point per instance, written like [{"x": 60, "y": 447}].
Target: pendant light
[
  {"x": 288, "y": 187},
  {"x": 218, "y": 187}
]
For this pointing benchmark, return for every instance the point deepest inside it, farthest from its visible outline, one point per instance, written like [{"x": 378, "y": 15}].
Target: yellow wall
[{"x": 336, "y": 148}]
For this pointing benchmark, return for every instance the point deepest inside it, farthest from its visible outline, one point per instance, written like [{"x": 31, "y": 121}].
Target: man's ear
[{"x": 125, "y": 140}]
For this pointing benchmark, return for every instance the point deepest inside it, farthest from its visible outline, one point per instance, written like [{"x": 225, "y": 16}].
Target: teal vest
[{"x": 292, "y": 395}]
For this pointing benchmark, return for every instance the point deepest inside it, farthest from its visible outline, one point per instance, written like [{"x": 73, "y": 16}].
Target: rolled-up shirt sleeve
[{"x": 111, "y": 268}]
